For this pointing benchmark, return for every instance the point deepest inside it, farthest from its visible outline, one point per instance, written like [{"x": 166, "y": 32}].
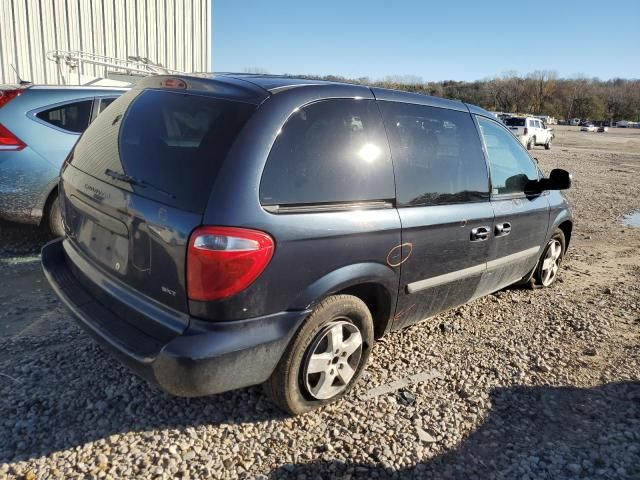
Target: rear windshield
[
  {"x": 169, "y": 146},
  {"x": 514, "y": 122}
]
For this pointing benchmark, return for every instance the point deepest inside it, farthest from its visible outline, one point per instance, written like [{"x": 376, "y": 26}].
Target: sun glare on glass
[{"x": 369, "y": 152}]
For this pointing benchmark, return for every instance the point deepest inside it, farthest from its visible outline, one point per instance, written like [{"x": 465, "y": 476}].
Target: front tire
[
  {"x": 325, "y": 357},
  {"x": 547, "y": 146},
  {"x": 549, "y": 264}
]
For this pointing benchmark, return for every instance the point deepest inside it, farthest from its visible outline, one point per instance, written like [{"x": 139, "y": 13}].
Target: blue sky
[{"x": 439, "y": 40}]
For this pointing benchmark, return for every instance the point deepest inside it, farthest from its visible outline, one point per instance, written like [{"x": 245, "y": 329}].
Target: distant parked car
[
  {"x": 588, "y": 127},
  {"x": 548, "y": 120},
  {"x": 38, "y": 127},
  {"x": 530, "y": 131},
  {"x": 603, "y": 129}
]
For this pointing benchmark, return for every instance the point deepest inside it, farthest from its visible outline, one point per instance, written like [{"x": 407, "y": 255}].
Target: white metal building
[{"x": 173, "y": 33}]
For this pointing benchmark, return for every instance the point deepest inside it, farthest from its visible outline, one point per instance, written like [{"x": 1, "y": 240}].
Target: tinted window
[
  {"x": 175, "y": 143},
  {"x": 104, "y": 103},
  {"x": 73, "y": 117},
  {"x": 514, "y": 122},
  {"x": 328, "y": 152},
  {"x": 437, "y": 155},
  {"x": 510, "y": 164}
]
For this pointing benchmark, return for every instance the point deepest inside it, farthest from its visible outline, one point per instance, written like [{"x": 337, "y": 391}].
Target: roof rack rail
[{"x": 133, "y": 65}]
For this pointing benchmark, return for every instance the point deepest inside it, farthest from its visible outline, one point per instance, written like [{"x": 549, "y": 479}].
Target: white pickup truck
[{"x": 530, "y": 131}]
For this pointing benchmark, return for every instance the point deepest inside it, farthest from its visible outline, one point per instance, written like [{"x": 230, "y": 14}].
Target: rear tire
[
  {"x": 302, "y": 381},
  {"x": 54, "y": 217},
  {"x": 530, "y": 143}
]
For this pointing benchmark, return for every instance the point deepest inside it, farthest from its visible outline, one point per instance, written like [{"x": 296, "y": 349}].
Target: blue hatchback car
[{"x": 38, "y": 127}]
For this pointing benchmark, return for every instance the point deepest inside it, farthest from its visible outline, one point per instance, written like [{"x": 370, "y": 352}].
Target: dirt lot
[{"x": 520, "y": 384}]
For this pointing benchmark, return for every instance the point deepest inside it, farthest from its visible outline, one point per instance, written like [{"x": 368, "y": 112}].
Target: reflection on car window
[
  {"x": 437, "y": 154},
  {"x": 510, "y": 165},
  {"x": 329, "y": 152},
  {"x": 73, "y": 117}
]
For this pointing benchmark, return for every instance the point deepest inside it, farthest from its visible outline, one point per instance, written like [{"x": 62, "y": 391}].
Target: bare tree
[
  {"x": 540, "y": 92},
  {"x": 543, "y": 86}
]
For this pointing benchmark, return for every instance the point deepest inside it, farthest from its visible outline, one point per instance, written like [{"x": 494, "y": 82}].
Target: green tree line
[{"x": 541, "y": 93}]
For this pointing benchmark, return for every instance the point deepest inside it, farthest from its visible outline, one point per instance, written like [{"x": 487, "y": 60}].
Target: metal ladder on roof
[{"x": 132, "y": 66}]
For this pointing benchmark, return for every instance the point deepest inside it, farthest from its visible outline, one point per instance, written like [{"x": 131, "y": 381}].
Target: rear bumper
[{"x": 202, "y": 358}]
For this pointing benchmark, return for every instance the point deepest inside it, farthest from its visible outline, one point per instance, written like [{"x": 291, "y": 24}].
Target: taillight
[
  {"x": 222, "y": 261},
  {"x": 526, "y": 131},
  {"x": 7, "y": 95},
  {"x": 8, "y": 141}
]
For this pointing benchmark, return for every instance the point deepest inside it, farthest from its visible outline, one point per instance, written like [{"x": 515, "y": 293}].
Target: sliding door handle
[
  {"x": 479, "y": 234},
  {"x": 503, "y": 229}
]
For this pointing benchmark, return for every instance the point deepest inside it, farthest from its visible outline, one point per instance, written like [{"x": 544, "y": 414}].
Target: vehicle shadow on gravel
[
  {"x": 530, "y": 432},
  {"x": 65, "y": 391}
]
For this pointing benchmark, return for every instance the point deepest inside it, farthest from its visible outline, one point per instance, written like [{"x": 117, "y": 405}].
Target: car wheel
[
  {"x": 54, "y": 220},
  {"x": 325, "y": 357},
  {"x": 549, "y": 264},
  {"x": 547, "y": 146},
  {"x": 530, "y": 144}
]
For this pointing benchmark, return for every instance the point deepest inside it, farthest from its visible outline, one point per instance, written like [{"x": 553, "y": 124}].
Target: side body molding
[{"x": 472, "y": 271}]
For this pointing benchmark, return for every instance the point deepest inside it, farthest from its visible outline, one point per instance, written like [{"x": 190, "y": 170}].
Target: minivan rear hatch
[{"x": 139, "y": 179}]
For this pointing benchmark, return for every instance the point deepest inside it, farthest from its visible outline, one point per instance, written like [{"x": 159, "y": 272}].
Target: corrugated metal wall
[{"x": 175, "y": 33}]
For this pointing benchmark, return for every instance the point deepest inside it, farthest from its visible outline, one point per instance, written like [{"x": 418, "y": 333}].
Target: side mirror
[{"x": 558, "y": 180}]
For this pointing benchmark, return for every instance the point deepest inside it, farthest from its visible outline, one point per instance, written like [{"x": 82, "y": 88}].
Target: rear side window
[
  {"x": 104, "y": 103},
  {"x": 100, "y": 105},
  {"x": 331, "y": 151},
  {"x": 73, "y": 117},
  {"x": 437, "y": 155},
  {"x": 171, "y": 144}
]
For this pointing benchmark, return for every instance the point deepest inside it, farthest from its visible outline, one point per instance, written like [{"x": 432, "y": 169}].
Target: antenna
[{"x": 22, "y": 82}]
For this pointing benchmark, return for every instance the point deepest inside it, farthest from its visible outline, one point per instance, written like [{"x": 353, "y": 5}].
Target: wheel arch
[
  {"x": 375, "y": 284},
  {"x": 566, "y": 227},
  {"x": 379, "y": 302},
  {"x": 41, "y": 209}
]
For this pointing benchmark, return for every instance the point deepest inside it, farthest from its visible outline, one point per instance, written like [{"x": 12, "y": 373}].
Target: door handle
[
  {"x": 503, "y": 229},
  {"x": 479, "y": 234}
]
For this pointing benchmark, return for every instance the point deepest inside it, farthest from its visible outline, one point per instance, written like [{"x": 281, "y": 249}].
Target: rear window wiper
[{"x": 123, "y": 177}]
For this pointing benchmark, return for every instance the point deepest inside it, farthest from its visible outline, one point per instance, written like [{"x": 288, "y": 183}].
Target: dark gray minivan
[{"x": 243, "y": 229}]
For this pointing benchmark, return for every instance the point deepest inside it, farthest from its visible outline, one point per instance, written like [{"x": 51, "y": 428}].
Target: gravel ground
[{"x": 520, "y": 384}]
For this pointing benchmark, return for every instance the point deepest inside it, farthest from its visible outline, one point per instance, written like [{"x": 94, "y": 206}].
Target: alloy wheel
[
  {"x": 333, "y": 359},
  {"x": 551, "y": 263}
]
